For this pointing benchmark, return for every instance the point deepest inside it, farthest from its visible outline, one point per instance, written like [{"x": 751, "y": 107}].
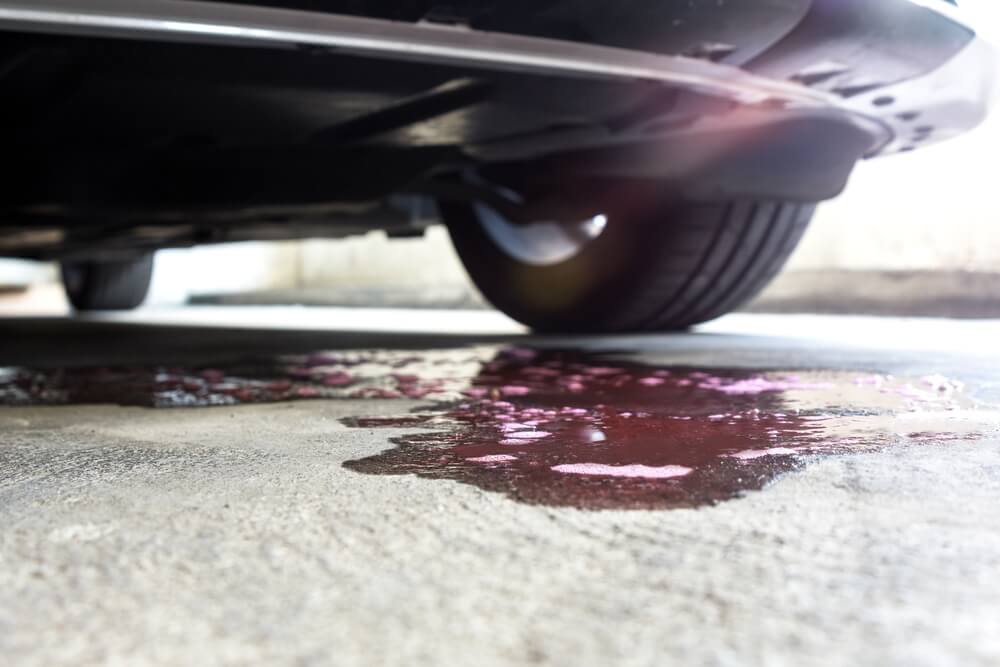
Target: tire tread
[{"x": 705, "y": 261}]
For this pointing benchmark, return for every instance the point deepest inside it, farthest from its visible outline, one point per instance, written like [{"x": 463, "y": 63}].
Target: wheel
[
  {"x": 108, "y": 285},
  {"x": 651, "y": 264}
]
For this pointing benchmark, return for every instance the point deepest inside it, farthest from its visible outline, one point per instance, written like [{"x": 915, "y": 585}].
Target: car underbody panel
[{"x": 151, "y": 123}]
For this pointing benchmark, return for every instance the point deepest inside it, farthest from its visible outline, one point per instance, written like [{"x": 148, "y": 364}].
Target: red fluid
[
  {"x": 556, "y": 427},
  {"x": 631, "y": 436},
  {"x": 316, "y": 376}
]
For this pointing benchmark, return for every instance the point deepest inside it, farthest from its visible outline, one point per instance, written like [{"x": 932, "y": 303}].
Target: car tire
[
  {"x": 108, "y": 285},
  {"x": 657, "y": 265}
]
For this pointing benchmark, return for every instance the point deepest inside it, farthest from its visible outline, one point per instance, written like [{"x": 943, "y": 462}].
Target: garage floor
[{"x": 233, "y": 485}]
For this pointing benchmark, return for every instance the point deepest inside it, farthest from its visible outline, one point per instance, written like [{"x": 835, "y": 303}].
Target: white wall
[
  {"x": 934, "y": 209},
  {"x": 224, "y": 268},
  {"x": 374, "y": 259},
  {"x": 16, "y": 272}
]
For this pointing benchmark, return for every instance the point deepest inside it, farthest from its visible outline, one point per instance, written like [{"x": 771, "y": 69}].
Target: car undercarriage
[{"x": 132, "y": 126}]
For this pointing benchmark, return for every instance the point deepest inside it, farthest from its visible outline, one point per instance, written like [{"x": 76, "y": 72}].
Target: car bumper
[
  {"x": 726, "y": 156},
  {"x": 941, "y": 104}
]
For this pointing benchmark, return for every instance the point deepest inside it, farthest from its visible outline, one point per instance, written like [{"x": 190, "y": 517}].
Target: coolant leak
[{"x": 565, "y": 428}]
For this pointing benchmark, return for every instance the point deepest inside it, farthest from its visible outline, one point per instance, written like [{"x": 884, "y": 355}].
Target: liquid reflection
[{"x": 560, "y": 428}]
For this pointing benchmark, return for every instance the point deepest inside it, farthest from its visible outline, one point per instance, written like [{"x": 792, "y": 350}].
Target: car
[{"x": 600, "y": 166}]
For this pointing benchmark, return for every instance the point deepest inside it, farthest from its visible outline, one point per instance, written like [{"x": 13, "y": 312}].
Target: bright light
[{"x": 984, "y": 16}]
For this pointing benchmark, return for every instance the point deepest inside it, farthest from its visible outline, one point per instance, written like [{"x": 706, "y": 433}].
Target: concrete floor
[{"x": 234, "y": 535}]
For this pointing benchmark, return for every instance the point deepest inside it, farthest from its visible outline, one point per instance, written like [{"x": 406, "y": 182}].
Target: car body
[{"x": 133, "y": 125}]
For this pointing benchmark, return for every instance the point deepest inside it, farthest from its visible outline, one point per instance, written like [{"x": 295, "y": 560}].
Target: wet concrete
[
  {"x": 568, "y": 429},
  {"x": 805, "y": 490},
  {"x": 562, "y": 427}
]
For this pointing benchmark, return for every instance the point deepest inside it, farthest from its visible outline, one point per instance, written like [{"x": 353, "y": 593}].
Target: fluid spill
[
  {"x": 565, "y": 428},
  {"x": 356, "y": 375}
]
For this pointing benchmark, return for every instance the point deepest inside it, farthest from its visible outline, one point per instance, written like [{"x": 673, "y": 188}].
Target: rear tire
[
  {"x": 108, "y": 285},
  {"x": 657, "y": 265}
]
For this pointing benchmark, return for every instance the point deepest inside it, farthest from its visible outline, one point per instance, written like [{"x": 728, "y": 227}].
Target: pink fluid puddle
[
  {"x": 561, "y": 428},
  {"x": 586, "y": 434},
  {"x": 358, "y": 375},
  {"x": 636, "y": 470}
]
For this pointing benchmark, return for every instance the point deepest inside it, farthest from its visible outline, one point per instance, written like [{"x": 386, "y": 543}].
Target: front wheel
[
  {"x": 642, "y": 266},
  {"x": 108, "y": 285}
]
